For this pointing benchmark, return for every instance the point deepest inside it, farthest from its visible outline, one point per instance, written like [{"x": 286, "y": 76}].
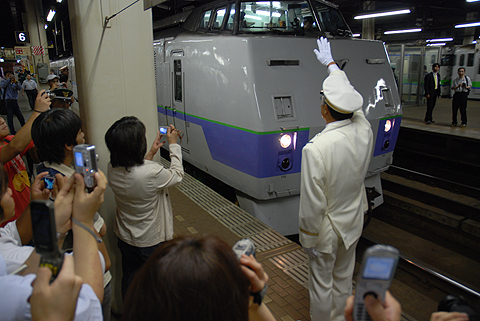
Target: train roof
[{"x": 306, "y": 18}]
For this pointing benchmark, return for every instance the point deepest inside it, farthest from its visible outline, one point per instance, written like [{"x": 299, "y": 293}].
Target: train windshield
[{"x": 296, "y": 17}]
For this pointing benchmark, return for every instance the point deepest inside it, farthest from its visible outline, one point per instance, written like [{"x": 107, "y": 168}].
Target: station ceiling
[{"x": 436, "y": 18}]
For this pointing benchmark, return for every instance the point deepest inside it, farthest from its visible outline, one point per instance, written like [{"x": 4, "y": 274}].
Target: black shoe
[
  {"x": 453, "y": 125},
  {"x": 464, "y": 125},
  {"x": 428, "y": 122}
]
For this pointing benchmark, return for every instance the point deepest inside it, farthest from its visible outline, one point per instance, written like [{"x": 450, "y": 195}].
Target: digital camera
[
  {"x": 86, "y": 163},
  {"x": 163, "y": 130},
  {"x": 244, "y": 246}
]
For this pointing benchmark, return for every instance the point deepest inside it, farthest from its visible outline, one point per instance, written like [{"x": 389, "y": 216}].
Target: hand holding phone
[
  {"x": 45, "y": 235},
  {"x": 376, "y": 275}
]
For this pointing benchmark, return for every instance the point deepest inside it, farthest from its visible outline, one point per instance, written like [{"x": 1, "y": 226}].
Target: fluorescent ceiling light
[
  {"x": 59, "y": 1},
  {"x": 402, "y": 31},
  {"x": 46, "y": 26},
  {"x": 467, "y": 25},
  {"x": 436, "y": 44},
  {"x": 472, "y": 0},
  {"x": 382, "y": 14},
  {"x": 440, "y": 40},
  {"x": 474, "y": 41},
  {"x": 356, "y": 35},
  {"x": 51, "y": 13}
]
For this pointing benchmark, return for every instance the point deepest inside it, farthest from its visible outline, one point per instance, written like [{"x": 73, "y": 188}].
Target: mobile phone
[
  {"x": 86, "y": 163},
  {"x": 244, "y": 246},
  {"x": 376, "y": 275},
  {"x": 163, "y": 129},
  {"x": 45, "y": 236},
  {"x": 49, "y": 182}
]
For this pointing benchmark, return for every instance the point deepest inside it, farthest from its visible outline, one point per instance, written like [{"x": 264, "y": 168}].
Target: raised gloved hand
[
  {"x": 311, "y": 252},
  {"x": 324, "y": 53}
]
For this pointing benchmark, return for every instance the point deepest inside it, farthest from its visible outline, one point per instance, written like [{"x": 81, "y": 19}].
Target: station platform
[{"x": 413, "y": 117}]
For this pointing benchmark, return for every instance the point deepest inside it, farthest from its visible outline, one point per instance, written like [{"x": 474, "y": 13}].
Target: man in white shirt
[
  {"x": 332, "y": 191},
  {"x": 29, "y": 86}
]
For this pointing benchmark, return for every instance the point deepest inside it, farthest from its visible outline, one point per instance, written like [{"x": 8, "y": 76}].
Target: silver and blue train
[{"x": 240, "y": 79}]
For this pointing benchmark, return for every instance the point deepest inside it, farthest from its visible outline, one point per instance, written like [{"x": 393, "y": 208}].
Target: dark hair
[
  {"x": 461, "y": 68},
  {"x": 8, "y": 72},
  {"x": 54, "y": 129},
  {"x": 435, "y": 65},
  {"x": 338, "y": 116},
  {"x": 126, "y": 142},
  {"x": 189, "y": 279},
  {"x": 62, "y": 78},
  {"x": 3, "y": 188}
]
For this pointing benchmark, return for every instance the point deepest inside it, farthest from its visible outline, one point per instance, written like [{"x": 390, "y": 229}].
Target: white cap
[
  {"x": 340, "y": 95},
  {"x": 51, "y": 77},
  {"x": 64, "y": 67}
]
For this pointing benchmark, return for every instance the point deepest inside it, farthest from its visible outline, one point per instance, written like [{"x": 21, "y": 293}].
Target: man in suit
[
  {"x": 432, "y": 91},
  {"x": 332, "y": 192}
]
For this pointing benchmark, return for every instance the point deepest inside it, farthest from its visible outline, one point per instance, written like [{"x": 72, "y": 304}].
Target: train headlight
[
  {"x": 285, "y": 141},
  {"x": 388, "y": 125}
]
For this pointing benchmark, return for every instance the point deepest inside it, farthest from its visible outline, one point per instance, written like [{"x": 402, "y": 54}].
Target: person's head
[
  {"x": 29, "y": 77},
  {"x": 63, "y": 98},
  {"x": 52, "y": 81},
  {"x": 126, "y": 142},
  {"x": 52, "y": 71},
  {"x": 4, "y": 130},
  {"x": 340, "y": 99},
  {"x": 64, "y": 70},
  {"x": 461, "y": 71},
  {"x": 189, "y": 279},
  {"x": 55, "y": 133},
  {"x": 7, "y": 204},
  {"x": 308, "y": 22},
  {"x": 436, "y": 67},
  {"x": 8, "y": 74}
]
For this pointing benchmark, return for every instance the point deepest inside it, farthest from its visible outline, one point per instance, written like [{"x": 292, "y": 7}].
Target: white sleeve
[
  {"x": 167, "y": 177},
  {"x": 11, "y": 247}
]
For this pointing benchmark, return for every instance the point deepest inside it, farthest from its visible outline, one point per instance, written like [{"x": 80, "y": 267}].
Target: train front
[{"x": 260, "y": 92}]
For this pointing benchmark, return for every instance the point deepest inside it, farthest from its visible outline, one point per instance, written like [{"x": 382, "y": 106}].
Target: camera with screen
[
  {"x": 244, "y": 246},
  {"x": 163, "y": 130},
  {"x": 85, "y": 159}
]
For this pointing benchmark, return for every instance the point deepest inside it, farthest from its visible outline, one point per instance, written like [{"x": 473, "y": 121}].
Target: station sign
[
  {"x": 22, "y": 37},
  {"x": 22, "y": 51}
]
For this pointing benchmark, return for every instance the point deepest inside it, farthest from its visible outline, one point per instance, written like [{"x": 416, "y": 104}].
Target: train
[
  {"x": 241, "y": 81},
  {"x": 461, "y": 56}
]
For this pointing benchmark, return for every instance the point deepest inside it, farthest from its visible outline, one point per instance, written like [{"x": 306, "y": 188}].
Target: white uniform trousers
[{"x": 330, "y": 281}]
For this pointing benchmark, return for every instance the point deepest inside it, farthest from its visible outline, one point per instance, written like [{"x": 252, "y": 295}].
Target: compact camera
[
  {"x": 50, "y": 94},
  {"x": 45, "y": 236},
  {"x": 163, "y": 129},
  {"x": 244, "y": 246},
  {"x": 86, "y": 163},
  {"x": 49, "y": 181}
]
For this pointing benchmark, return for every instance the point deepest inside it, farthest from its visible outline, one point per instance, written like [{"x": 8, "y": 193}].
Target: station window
[
  {"x": 470, "y": 60},
  {"x": 177, "y": 66},
  {"x": 461, "y": 62},
  {"x": 205, "y": 19},
  {"x": 219, "y": 16}
]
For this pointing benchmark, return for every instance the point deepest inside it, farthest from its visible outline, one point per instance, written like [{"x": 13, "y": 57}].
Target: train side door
[{"x": 177, "y": 73}]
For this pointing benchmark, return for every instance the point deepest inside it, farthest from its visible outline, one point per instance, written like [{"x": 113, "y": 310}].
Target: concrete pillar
[
  {"x": 368, "y": 25},
  {"x": 36, "y": 29},
  {"x": 115, "y": 76}
]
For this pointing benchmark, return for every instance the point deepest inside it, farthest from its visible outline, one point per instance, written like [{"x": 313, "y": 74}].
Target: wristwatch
[{"x": 258, "y": 296}]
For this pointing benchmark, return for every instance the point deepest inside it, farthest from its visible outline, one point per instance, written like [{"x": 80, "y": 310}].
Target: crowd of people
[{"x": 182, "y": 278}]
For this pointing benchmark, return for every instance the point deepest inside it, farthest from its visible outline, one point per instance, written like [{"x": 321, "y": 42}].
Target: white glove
[
  {"x": 324, "y": 53},
  {"x": 311, "y": 252}
]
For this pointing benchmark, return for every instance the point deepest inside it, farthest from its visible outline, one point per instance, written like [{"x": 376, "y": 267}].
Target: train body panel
[{"x": 239, "y": 98}]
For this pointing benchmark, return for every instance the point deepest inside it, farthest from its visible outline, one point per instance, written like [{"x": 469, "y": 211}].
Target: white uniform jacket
[{"x": 334, "y": 164}]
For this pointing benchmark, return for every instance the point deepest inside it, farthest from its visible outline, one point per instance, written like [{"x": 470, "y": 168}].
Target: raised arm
[{"x": 24, "y": 136}]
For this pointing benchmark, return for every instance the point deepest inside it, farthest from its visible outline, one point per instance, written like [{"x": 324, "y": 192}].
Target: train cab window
[
  {"x": 219, "y": 16},
  {"x": 470, "y": 60},
  {"x": 461, "y": 61},
  {"x": 331, "y": 20},
  {"x": 205, "y": 20},
  {"x": 177, "y": 69}
]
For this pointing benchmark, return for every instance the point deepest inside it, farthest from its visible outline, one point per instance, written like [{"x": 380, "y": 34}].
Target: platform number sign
[{"x": 22, "y": 37}]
